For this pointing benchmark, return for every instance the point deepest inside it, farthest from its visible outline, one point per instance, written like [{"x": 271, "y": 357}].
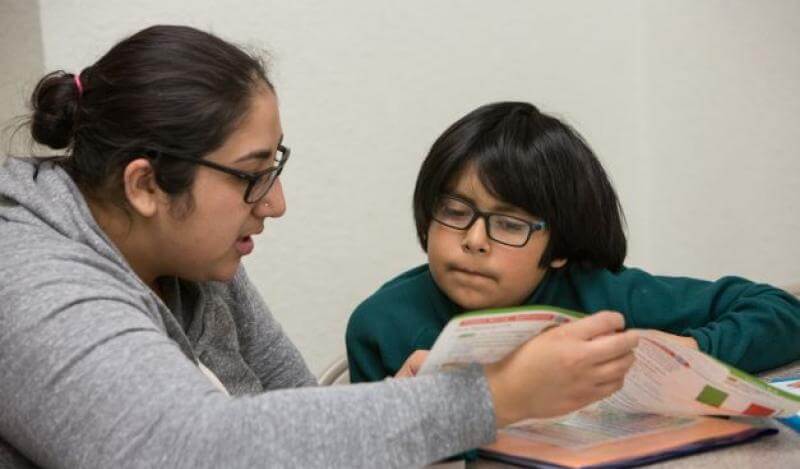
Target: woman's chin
[{"x": 224, "y": 273}]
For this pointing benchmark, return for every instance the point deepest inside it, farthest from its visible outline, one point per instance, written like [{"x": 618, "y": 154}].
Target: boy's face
[{"x": 475, "y": 271}]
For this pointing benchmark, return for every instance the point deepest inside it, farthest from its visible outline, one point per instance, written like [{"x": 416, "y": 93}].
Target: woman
[{"x": 129, "y": 332}]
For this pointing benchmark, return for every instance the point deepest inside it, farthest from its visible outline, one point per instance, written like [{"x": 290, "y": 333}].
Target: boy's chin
[{"x": 473, "y": 302}]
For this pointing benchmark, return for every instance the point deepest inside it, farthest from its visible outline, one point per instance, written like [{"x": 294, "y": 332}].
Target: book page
[
  {"x": 486, "y": 338},
  {"x": 595, "y": 426},
  {"x": 666, "y": 378}
]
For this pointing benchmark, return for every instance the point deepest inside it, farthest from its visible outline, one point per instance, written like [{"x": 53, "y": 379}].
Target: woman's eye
[{"x": 264, "y": 165}]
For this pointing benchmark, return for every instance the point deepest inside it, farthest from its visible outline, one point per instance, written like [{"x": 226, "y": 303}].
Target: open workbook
[{"x": 659, "y": 413}]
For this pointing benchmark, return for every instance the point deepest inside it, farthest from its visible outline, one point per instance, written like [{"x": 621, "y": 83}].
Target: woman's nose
[{"x": 273, "y": 205}]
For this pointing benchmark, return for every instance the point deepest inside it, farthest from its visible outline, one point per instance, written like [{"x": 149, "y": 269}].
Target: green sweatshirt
[{"x": 751, "y": 326}]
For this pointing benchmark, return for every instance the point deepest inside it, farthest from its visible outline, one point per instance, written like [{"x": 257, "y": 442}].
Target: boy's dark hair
[
  {"x": 536, "y": 162},
  {"x": 167, "y": 89}
]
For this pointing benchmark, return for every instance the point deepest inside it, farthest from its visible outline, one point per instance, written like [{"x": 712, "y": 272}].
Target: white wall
[
  {"x": 21, "y": 65},
  {"x": 722, "y": 118},
  {"x": 692, "y": 106}
]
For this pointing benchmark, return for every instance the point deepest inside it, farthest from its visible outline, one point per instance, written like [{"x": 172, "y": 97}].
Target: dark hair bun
[{"x": 54, "y": 103}]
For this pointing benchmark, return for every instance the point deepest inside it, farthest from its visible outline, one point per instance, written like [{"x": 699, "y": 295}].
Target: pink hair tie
[{"x": 78, "y": 84}]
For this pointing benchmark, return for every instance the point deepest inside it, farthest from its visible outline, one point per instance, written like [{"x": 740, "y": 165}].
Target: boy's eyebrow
[
  {"x": 498, "y": 207},
  {"x": 501, "y": 206},
  {"x": 512, "y": 210},
  {"x": 505, "y": 207}
]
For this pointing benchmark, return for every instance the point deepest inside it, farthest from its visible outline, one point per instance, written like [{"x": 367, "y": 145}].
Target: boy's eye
[
  {"x": 509, "y": 225},
  {"x": 454, "y": 212},
  {"x": 454, "y": 209}
]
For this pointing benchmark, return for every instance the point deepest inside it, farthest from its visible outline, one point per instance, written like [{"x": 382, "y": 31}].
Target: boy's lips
[{"x": 472, "y": 272}]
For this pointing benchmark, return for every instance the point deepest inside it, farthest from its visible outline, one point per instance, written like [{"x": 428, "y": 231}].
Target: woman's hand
[
  {"x": 412, "y": 364},
  {"x": 563, "y": 369}
]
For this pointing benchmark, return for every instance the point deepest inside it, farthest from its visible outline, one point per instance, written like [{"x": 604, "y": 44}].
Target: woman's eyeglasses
[{"x": 258, "y": 183}]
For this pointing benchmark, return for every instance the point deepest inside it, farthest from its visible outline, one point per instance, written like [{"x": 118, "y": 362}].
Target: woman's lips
[{"x": 245, "y": 245}]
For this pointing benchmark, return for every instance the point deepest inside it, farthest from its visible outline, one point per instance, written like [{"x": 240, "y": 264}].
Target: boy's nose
[{"x": 476, "y": 239}]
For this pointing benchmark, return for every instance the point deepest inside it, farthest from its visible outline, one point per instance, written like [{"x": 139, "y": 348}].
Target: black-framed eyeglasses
[
  {"x": 258, "y": 183},
  {"x": 459, "y": 213}
]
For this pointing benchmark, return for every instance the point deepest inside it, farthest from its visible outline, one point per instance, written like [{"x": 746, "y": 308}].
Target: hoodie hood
[
  {"x": 38, "y": 194},
  {"x": 44, "y": 218},
  {"x": 49, "y": 236}
]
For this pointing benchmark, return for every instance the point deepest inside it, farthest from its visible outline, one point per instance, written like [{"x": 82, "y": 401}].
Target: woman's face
[
  {"x": 209, "y": 240},
  {"x": 475, "y": 271}
]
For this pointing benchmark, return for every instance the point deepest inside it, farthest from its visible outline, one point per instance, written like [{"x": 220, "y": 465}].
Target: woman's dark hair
[
  {"x": 166, "y": 89},
  {"x": 536, "y": 162}
]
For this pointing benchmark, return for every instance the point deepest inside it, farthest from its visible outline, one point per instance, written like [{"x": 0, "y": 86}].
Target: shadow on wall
[{"x": 22, "y": 63}]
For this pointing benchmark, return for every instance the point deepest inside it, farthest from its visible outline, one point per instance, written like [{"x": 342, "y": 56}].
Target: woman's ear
[
  {"x": 558, "y": 263},
  {"x": 141, "y": 189}
]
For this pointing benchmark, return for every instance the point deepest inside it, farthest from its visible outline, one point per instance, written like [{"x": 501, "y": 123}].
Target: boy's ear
[
  {"x": 141, "y": 189},
  {"x": 558, "y": 263}
]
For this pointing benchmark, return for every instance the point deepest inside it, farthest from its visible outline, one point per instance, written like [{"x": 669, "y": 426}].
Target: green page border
[{"x": 516, "y": 309}]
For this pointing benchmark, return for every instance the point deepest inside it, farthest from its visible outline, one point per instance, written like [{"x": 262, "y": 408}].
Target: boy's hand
[
  {"x": 563, "y": 369},
  {"x": 412, "y": 364}
]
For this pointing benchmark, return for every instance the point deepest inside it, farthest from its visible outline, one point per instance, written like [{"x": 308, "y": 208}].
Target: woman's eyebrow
[
  {"x": 255, "y": 155},
  {"x": 258, "y": 154}
]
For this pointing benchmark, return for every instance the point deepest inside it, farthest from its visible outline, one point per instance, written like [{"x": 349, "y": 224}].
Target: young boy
[{"x": 513, "y": 208}]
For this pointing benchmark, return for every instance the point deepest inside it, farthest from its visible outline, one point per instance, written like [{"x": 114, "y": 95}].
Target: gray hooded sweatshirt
[{"x": 98, "y": 371}]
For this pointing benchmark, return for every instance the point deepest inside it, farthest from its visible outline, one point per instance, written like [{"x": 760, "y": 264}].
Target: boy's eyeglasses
[
  {"x": 258, "y": 183},
  {"x": 455, "y": 212}
]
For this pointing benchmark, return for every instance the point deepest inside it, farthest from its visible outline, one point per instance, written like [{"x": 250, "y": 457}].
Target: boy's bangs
[{"x": 507, "y": 178}]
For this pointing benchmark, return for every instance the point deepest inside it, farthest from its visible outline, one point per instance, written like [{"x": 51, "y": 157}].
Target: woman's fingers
[
  {"x": 412, "y": 364},
  {"x": 613, "y": 370},
  {"x": 609, "y": 347},
  {"x": 606, "y": 389},
  {"x": 598, "y": 324}
]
